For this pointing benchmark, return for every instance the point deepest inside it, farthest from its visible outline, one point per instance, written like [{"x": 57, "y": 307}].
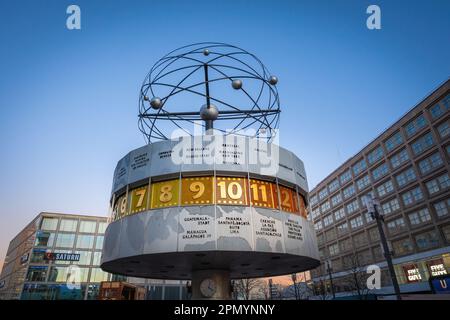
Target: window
[
  {"x": 359, "y": 167},
  {"x": 423, "y": 143},
  {"x": 36, "y": 273},
  {"x": 444, "y": 129},
  {"x": 375, "y": 155},
  {"x": 327, "y": 220},
  {"x": 334, "y": 185},
  {"x": 402, "y": 247},
  {"x": 393, "y": 141},
  {"x": 396, "y": 226},
  {"x": 65, "y": 240},
  {"x": 415, "y": 125},
  {"x": 442, "y": 208},
  {"x": 432, "y": 162},
  {"x": 399, "y": 158},
  {"x": 368, "y": 217},
  {"x": 318, "y": 225},
  {"x": 38, "y": 256},
  {"x": 440, "y": 108},
  {"x": 390, "y": 206},
  {"x": 438, "y": 184},
  {"x": 412, "y": 196},
  {"x": 49, "y": 223},
  {"x": 363, "y": 182},
  {"x": 349, "y": 191},
  {"x": 325, "y": 207},
  {"x": 405, "y": 177},
  {"x": 315, "y": 213},
  {"x": 99, "y": 242},
  {"x": 62, "y": 273},
  {"x": 102, "y": 227},
  {"x": 339, "y": 214},
  {"x": 68, "y": 225},
  {"x": 356, "y": 222},
  {"x": 342, "y": 228},
  {"x": 419, "y": 217},
  {"x": 346, "y": 176},
  {"x": 85, "y": 257},
  {"x": 385, "y": 188},
  {"x": 333, "y": 249},
  {"x": 352, "y": 206},
  {"x": 427, "y": 240},
  {"x": 97, "y": 258},
  {"x": 88, "y": 226},
  {"x": 85, "y": 241},
  {"x": 44, "y": 239},
  {"x": 313, "y": 200},
  {"x": 98, "y": 275},
  {"x": 335, "y": 200},
  {"x": 380, "y": 171},
  {"x": 323, "y": 193}
]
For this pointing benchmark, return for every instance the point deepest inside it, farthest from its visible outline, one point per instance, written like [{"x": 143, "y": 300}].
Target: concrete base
[{"x": 220, "y": 283}]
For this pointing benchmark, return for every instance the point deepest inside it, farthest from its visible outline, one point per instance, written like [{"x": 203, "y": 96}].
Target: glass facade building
[
  {"x": 56, "y": 256},
  {"x": 407, "y": 169}
]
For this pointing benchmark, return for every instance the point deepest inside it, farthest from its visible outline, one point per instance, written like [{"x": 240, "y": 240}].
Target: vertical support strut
[{"x": 208, "y": 123}]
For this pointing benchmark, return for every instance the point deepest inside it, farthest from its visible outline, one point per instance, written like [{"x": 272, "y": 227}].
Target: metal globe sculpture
[{"x": 200, "y": 74}]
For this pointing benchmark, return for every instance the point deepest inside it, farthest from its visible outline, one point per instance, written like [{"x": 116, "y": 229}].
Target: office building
[
  {"x": 407, "y": 169},
  {"x": 56, "y": 256}
]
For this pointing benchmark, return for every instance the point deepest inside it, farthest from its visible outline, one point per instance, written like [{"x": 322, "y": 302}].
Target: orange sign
[
  {"x": 138, "y": 199},
  {"x": 263, "y": 194},
  {"x": 197, "y": 191},
  {"x": 165, "y": 194},
  {"x": 288, "y": 199},
  {"x": 231, "y": 191}
]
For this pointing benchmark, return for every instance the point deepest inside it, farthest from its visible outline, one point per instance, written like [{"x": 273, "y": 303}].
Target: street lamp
[
  {"x": 329, "y": 270},
  {"x": 294, "y": 280},
  {"x": 372, "y": 205}
]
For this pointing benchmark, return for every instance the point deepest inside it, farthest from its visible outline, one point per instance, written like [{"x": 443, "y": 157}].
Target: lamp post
[
  {"x": 294, "y": 280},
  {"x": 372, "y": 205},
  {"x": 329, "y": 269}
]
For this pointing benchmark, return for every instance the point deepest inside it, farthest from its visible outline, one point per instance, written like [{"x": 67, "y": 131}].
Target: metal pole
[
  {"x": 387, "y": 253},
  {"x": 331, "y": 280},
  {"x": 294, "y": 280},
  {"x": 208, "y": 123}
]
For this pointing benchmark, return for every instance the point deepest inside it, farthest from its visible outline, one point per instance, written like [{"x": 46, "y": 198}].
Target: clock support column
[{"x": 211, "y": 285}]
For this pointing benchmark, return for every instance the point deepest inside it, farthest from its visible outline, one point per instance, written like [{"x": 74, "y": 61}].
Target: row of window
[
  {"x": 71, "y": 225},
  {"x": 410, "y": 197},
  {"x": 68, "y": 240},
  {"x": 425, "y": 166},
  {"x": 423, "y": 241},
  {"x": 418, "y": 147},
  {"x": 402, "y": 179},
  {"x": 63, "y": 273}
]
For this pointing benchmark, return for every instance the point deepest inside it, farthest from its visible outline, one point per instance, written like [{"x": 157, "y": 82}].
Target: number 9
[{"x": 198, "y": 187}]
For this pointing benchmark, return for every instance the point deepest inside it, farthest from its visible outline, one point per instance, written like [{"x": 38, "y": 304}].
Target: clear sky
[{"x": 68, "y": 99}]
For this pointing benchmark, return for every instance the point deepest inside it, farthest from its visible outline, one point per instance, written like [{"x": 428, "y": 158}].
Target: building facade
[
  {"x": 56, "y": 256},
  {"x": 54, "y": 248},
  {"x": 407, "y": 169}
]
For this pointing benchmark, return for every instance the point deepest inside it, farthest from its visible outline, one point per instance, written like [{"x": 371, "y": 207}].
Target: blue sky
[{"x": 68, "y": 99}]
